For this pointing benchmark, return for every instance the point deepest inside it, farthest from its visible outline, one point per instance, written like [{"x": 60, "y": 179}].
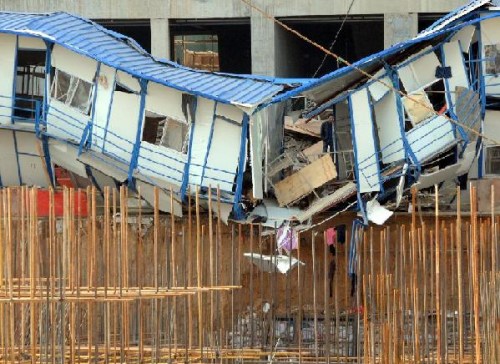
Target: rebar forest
[{"x": 97, "y": 283}]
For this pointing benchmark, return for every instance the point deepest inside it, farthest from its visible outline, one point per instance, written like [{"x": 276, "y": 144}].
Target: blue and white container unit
[{"x": 92, "y": 101}]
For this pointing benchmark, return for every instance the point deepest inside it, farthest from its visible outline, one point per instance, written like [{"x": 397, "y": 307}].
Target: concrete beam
[
  {"x": 204, "y": 9},
  {"x": 160, "y": 38}
]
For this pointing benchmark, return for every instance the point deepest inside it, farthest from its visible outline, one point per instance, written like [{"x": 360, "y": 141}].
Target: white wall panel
[
  {"x": 421, "y": 72},
  {"x": 73, "y": 63},
  {"x": 102, "y": 104},
  {"x": 161, "y": 162},
  {"x": 32, "y": 171},
  {"x": 389, "y": 130},
  {"x": 204, "y": 117},
  {"x": 431, "y": 137},
  {"x": 65, "y": 122},
  {"x": 31, "y": 43},
  {"x": 8, "y": 168},
  {"x": 453, "y": 58},
  {"x": 366, "y": 152},
  {"x": 224, "y": 155},
  {"x": 164, "y": 101},
  {"x": 7, "y": 63},
  {"x": 123, "y": 123}
]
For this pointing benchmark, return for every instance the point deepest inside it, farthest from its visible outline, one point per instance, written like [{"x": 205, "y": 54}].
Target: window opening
[
  {"x": 492, "y": 160},
  {"x": 30, "y": 82},
  {"x": 165, "y": 132},
  {"x": 72, "y": 91}
]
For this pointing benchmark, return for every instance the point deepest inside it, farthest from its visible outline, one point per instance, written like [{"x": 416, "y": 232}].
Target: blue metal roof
[{"x": 116, "y": 50}]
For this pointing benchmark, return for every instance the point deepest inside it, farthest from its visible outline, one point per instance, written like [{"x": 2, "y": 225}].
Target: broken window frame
[
  {"x": 68, "y": 97},
  {"x": 162, "y": 130},
  {"x": 490, "y": 160}
]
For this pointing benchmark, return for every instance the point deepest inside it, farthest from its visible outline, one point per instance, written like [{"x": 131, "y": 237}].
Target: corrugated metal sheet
[{"x": 90, "y": 39}]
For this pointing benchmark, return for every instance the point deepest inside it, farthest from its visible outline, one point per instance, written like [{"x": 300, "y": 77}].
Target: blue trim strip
[
  {"x": 238, "y": 212},
  {"x": 210, "y": 137},
  {"x": 187, "y": 166},
  {"x": 140, "y": 122}
]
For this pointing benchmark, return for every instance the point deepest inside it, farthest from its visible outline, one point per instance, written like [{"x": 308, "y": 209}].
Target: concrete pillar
[
  {"x": 399, "y": 27},
  {"x": 263, "y": 39},
  {"x": 160, "y": 38}
]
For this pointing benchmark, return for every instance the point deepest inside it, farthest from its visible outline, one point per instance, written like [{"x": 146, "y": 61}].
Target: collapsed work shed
[{"x": 109, "y": 112}]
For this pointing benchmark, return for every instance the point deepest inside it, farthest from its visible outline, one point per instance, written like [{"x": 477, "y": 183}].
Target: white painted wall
[
  {"x": 201, "y": 135},
  {"x": 453, "y": 58},
  {"x": 389, "y": 130},
  {"x": 73, "y": 63},
  {"x": 164, "y": 101},
  {"x": 7, "y": 73},
  {"x": 123, "y": 124},
  {"x": 8, "y": 167},
  {"x": 65, "y": 122}
]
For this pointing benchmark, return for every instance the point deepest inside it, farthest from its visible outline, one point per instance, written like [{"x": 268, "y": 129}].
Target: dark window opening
[
  {"x": 492, "y": 160},
  {"x": 122, "y": 88},
  {"x": 30, "y": 82},
  {"x": 165, "y": 132}
]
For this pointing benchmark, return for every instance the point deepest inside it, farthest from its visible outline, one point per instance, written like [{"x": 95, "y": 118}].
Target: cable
[
  {"x": 334, "y": 39},
  {"x": 366, "y": 74}
]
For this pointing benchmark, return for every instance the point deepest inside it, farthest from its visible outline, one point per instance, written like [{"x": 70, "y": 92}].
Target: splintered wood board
[{"x": 305, "y": 181}]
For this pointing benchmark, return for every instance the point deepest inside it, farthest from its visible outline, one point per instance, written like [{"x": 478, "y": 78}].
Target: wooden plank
[{"x": 305, "y": 181}]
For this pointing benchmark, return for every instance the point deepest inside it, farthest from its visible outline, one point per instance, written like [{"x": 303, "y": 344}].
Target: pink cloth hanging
[{"x": 331, "y": 236}]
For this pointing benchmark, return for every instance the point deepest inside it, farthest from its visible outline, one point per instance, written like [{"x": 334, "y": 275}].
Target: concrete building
[{"x": 247, "y": 42}]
